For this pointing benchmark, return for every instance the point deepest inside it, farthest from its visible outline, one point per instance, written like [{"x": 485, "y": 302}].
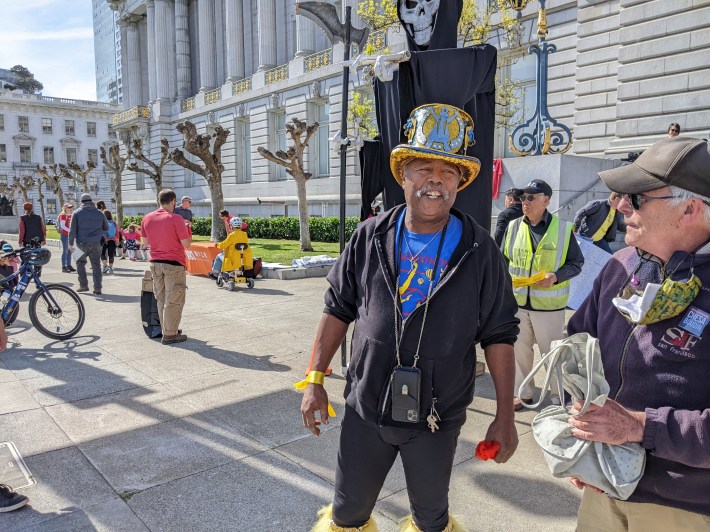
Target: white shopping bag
[{"x": 77, "y": 253}]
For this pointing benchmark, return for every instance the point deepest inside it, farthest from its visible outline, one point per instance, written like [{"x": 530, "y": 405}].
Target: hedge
[{"x": 281, "y": 228}]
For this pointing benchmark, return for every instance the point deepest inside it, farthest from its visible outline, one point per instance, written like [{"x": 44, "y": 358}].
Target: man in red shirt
[{"x": 168, "y": 238}]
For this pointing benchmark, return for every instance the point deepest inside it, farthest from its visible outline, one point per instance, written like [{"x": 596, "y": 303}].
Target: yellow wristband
[{"x": 314, "y": 377}]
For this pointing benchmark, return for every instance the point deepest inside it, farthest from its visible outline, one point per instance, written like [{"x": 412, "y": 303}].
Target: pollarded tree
[
  {"x": 81, "y": 175},
  {"x": 23, "y": 184},
  {"x": 116, "y": 164},
  {"x": 211, "y": 169},
  {"x": 154, "y": 170},
  {"x": 53, "y": 175},
  {"x": 39, "y": 182},
  {"x": 292, "y": 160}
]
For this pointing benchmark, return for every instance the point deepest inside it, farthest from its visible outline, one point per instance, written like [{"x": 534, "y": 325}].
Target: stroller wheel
[
  {"x": 220, "y": 281},
  {"x": 250, "y": 283},
  {"x": 230, "y": 286}
]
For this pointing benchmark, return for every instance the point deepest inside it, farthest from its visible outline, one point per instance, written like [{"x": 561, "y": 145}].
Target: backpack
[{"x": 111, "y": 229}]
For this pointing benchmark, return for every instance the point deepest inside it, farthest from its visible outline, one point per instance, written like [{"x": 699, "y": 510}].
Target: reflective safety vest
[{"x": 549, "y": 256}]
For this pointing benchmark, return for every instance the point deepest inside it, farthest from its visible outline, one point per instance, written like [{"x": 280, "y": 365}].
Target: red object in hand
[{"x": 487, "y": 450}]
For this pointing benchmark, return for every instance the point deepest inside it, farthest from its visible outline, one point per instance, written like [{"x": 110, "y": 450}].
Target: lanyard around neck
[{"x": 397, "y": 298}]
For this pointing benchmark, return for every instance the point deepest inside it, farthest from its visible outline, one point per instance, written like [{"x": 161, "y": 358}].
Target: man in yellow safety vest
[{"x": 542, "y": 257}]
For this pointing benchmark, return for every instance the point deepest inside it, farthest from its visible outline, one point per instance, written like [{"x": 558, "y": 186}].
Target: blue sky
[{"x": 54, "y": 39}]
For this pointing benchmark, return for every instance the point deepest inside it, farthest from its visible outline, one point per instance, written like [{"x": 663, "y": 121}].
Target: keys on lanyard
[{"x": 433, "y": 417}]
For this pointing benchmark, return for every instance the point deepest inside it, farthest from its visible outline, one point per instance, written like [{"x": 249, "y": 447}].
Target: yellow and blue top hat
[{"x": 438, "y": 131}]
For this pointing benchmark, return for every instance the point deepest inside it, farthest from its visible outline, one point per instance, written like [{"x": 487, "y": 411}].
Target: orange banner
[{"x": 200, "y": 256}]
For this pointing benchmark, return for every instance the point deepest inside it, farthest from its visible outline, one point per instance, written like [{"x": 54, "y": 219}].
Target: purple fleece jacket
[{"x": 662, "y": 370}]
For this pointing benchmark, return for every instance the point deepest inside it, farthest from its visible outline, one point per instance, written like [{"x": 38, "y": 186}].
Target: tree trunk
[
  {"x": 85, "y": 185},
  {"x": 40, "y": 198},
  {"x": 60, "y": 195},
  {"x": 119, "y": 198},
  {"x": 304, "y": 230},
  {"x": 218, "y": 231}
]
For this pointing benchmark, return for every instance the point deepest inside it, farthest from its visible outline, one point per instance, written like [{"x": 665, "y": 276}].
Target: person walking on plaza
[
  {"x": 424, "y": 283},
  {"x": 599, "y": 220},
  {"x": 166, "y": 234},
  {"x": 87, "y": 229},
  {"x": 655, "y": 349},
  {"x": 539, "y": 243},
  {"x": 31, "y": 226},
  {"x": 513, "y": 210},
  {"x": 184, "y": 211},
  {"x": 111, "y": 238},
  {"x": 63, "y": 222}
]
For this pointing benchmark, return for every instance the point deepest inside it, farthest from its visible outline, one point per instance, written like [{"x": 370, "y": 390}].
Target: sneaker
[
  {"x": 174, "y": 339},
  {"x": 65, "y": 270},
  {"x": 97, "y": 292},
  {"x": 121, "y": 258},
  {"x": 105, "y": 269},
  {"x": 70, "y": 269},
  {"x": 82, "y": 289},
  {"x": 9, "y": 500},
  {"x": 110, "y": 270}
]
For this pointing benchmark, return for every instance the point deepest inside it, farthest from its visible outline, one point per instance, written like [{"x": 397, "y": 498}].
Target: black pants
[
  {"x": 366, "y": 455},
  {"x": 109, "y": 250}
]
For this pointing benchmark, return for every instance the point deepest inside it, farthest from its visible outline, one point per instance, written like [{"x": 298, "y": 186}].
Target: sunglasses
[
  {"x": 528, "y": 197},
  {"x": 636, "y": 200},
  {"x": 675, "y": 130}
]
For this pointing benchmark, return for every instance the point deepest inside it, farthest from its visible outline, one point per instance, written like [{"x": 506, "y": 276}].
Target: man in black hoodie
[
  {"x": 424, "y": 283},
  {"x": 513, "y": 210}
]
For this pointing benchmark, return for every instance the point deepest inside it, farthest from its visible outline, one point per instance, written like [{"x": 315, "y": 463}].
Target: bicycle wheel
[{"x": 60, "y": 322}]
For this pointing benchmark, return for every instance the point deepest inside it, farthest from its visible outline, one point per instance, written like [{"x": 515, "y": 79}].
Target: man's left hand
[
  {"x": 611, "y": 423},
  {"x": 548, "y": 281},
  {"x": 505, "y": 434}
]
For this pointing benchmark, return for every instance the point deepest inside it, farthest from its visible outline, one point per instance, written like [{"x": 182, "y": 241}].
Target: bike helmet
[
  {"x": 7, "y": 248},
  {"x": 236, "y": 222},
  {"x": 37, "y": 256}
]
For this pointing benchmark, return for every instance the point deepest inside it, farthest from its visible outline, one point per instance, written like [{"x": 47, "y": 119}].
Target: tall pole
[{"x": 344, "y": 154}]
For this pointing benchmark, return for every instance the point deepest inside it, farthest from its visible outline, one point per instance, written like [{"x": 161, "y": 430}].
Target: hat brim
[
  {"x": 470, "y": 166},
  {"x": 630, "y": 179}
]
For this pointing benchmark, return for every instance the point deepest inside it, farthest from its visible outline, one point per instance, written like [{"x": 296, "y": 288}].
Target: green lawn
[{"x": 281, "y": 251}]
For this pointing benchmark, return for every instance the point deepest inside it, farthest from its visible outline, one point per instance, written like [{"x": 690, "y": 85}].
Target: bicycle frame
[{"x": 27, "y": 275}]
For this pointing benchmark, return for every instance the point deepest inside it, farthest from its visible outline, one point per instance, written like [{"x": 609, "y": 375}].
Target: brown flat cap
[{"x": 683, "y": 162}]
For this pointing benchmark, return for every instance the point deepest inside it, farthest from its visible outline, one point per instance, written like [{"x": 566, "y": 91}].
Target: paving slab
[
  {"x": 66, "y": 483},
  {"x": 153, "y": 455},
  {"x": 33, "y": 431},
  {"x": 16, "y": 398},
  {"x": 31, "y": 363}
]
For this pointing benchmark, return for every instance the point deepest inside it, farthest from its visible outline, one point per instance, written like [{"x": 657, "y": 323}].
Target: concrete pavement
[{"x": 124, "y": 433}]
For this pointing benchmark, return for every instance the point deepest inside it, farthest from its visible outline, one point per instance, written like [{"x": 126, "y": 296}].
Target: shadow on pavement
[{"x": 233, "y": 359}]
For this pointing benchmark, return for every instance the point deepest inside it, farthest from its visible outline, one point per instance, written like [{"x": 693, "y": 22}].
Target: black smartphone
[{"x": 406, "y": 383}]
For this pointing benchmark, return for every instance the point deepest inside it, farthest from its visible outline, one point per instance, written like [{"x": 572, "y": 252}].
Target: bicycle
[{"x": 55, "y": 310}]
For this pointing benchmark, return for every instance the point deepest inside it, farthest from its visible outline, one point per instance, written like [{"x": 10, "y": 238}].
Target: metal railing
[
  {"x": 280, "y": 73},
  {"x": 188, "y": 104},
  {"x": 213, "y": 96},
  {"x": 243, "y": 85},
  {"x": 318, "y": 60},
  {"x": 139, "y": 111},
  {"x": 376, "y": 41}
]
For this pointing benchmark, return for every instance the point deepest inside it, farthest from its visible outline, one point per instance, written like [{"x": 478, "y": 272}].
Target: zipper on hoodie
[{"x": 623, "y": 359}]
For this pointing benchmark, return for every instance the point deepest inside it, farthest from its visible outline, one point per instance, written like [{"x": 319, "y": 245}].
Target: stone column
[
  {"x": 208, "y": 44},
  {"x": 123, "y": 29},
  {"x": 162, "y": 49},
  {"x": 172, "y": 66},
  {"x": 134, "y": 63},
  {"x": 182, "y": 49},
  {"x": 150, "y": 22},
  {"x": 235, "y": 40},
  {"x": 267, "y": 34},
  {"x": 305, "y": 36}
]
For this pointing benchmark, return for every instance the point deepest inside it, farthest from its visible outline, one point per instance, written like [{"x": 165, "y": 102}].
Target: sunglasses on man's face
[
  {"x": 529, "y": 197},
  {"x": 636, "y": 200}
]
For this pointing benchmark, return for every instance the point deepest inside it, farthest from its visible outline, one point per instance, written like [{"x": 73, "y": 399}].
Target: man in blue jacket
[
  {"x": 423, "y": 284},
  {"x": 650, "y": 307},
  {"x": 87, "y": 229}
]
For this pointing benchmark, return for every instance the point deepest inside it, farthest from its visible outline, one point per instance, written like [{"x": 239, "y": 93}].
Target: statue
[{"x": 6, "y": 206}]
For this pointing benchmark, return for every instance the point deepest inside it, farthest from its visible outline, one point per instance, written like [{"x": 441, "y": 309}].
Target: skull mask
[{"x": 419, "y": 16}]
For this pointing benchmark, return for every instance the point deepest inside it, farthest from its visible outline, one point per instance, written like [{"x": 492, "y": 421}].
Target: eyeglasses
[
  {"x": 635, "y": 199},
  {"x": 528, "y": 197},
  {"x": 675, "y": 130}
]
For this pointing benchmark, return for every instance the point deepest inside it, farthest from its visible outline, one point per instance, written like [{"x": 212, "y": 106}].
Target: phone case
[{"x": 405, "y": 394}]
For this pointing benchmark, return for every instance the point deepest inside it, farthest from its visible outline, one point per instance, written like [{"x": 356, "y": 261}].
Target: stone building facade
[
  {"x": 36, "y": 129},
  {"x": 623, "y": 70}
]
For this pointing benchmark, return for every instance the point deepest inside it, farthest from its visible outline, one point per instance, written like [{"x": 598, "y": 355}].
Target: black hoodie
[{"x": 473, "y": 302}]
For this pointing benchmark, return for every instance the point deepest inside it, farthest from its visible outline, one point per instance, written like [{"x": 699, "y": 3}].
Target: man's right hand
[
  {"x": 581, "y": 485},
  {"x": 315, "y": 399}
]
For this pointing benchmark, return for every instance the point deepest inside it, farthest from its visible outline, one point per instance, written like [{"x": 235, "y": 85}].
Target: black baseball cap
[
  {"x": 538, "y": 186},
  {"x": 683, "y": 162}
]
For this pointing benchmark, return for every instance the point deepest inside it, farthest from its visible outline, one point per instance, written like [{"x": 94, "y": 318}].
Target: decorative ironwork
[
  {"x": 213, "y": 96},
  {"x": 188, "y": 104},
  {"x": 139, "y": 111},
  {"x": 378, "y": 39},
  {"x": 536, "y": 135},
  {"x": 318, "y": 60},
  {"x": 280, "y": 73},
  {"x": 518, "y": 5},
  {"x": 243, "y": 85}
]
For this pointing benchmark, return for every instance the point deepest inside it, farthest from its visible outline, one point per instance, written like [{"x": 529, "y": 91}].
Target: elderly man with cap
[
  {"x": 542, "y": 256},
  {"x": 184, "y": 211},
  {"x": 86, "y": 230},
  {"x": 650, "y": 308},
  {"x": 513, "y": 210},
  {"x": 31, "y": 226},
  {"x": 423, "y": 284}
]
